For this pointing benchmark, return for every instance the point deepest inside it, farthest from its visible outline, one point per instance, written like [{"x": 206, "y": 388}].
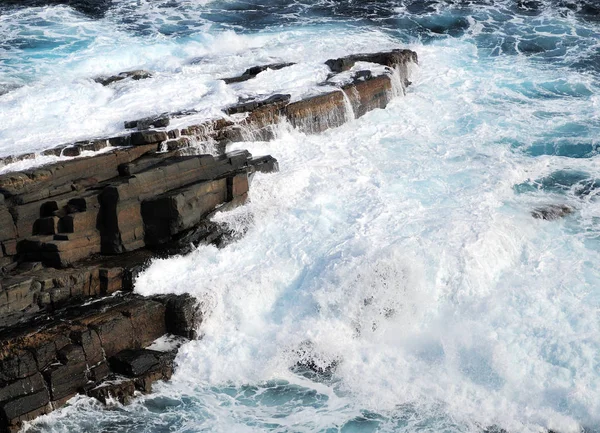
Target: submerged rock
[
  {"x": 312, "y": 365},
  {"x": 552, "y": 212},
  {"x": 138, "y": 74}
]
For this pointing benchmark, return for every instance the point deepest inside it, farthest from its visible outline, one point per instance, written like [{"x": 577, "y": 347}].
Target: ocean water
[{"x": 391, "y": 277}]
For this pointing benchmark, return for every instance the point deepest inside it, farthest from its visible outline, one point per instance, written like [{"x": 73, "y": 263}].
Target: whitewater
[{"x": 395, "y": 255}]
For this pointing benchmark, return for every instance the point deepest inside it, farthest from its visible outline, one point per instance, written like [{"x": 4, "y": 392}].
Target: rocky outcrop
[
  {"x": 254, "y": 71},
  {"x": 129, "y": 199},
  {"x": 74, "y": 235},
  {"x": 47, "y": 361},
  {"x": 255, "y": 119},
  {"x": 138, "y": 74}
]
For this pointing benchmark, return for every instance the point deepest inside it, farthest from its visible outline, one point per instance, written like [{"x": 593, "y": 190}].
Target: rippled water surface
[{"x": 397, "y": 253}]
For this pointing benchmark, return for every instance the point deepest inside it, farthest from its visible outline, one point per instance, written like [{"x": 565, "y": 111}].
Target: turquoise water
[{"x": 396, "y": 255}]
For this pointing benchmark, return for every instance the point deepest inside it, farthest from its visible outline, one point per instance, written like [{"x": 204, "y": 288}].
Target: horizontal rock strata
[
  {"x": 255, "y": 119},
  {"x": 74, "y": 235},
  {"x": 45, "y": 362}
]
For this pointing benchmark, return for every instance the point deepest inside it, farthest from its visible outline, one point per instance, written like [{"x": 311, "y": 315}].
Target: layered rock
[
  {"x": 47, "y": 361},
  {"x": 80, "y": 230},
  {"x": 75, "y": 234},
  {"x": 256, "y": 118}
]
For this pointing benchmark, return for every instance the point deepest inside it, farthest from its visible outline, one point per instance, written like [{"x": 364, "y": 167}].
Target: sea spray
[{"x": 399, "y": 245}]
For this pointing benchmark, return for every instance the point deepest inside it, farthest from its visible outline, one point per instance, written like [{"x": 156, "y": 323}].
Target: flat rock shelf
[{"x": 75, "y": 233}]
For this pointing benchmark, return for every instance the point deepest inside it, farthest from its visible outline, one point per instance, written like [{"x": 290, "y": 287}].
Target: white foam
[
  {"x": 397, "y": 245},
  {"x": 61, "y": 103},
  {"x": 408, "y": 215}
]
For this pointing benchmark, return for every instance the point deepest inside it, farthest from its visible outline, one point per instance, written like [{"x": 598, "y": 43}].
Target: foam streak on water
[{"x": 400, "y": 246}]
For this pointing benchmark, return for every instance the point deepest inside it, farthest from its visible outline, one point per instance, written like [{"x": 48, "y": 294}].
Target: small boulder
[
  {"x": 159, "y": 121},
  {"x": 552, "y": 212},
  {"x": 148, "y": 137},
  {"x": 134, "y": 362},
  {"x": 138, "y": 74}
]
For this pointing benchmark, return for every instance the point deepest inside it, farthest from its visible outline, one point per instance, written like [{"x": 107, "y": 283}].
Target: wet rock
[
  {"x": 391, "y": 59},
  {"x": 552, "y": 212},
  {"x": 116, "y": 388},
  {"x": 65, "y": 380},
  {"x": 56, "y": 179},
  {"x": 15, "y": 158},
  {"x": 264, "y": 164},
  {"x": 138, "y": 74},
  {"x": 183, "y": 315},
  {"x": 148, "y": 137},
  {"x": 179, "y": 143},
  {"x": 134, "y": 363},
  {"x": 254, "y": 71},
  {"x": 278, "y": 100},
  {"x": 160, "y": 121},
  {"x": 318, "y": 113},
  {"x": 313, "y": 366}
]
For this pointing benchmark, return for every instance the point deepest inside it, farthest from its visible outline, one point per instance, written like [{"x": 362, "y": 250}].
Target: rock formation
[{"x": 75, "y": 233}]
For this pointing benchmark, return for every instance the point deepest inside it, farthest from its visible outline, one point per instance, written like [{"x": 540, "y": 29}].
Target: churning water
[{"x": 395, "y": 255}]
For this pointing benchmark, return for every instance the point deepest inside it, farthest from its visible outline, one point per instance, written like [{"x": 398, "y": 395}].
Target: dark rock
[
  {"x": 318, "y": 113},
  {"x": 264, "y": 164},
  {"x": 137, "y": 74},
  {"x": 552, "y": 212},
  {"x": 55, "y": 151},
  {"x": 250, "y": 105},
  {"x": 363, "y": 75},
  {"x": 71, "y": 151},
  {"x": 254, "y": 71},
  {"x": 145, "y": 366},
  {"x": 29, "y": 385},
  {"x": 16, "y": 158},
  {"x": 182, "y": 316},
  {"x": 24, "y": 408},
  {"x": 134, "y": 324},
  {"x": 90, "y": 344},
  {"x": 99, "y": 372},
  {"x": 148, "y": 137},
  {"x": 77, "y": 230},
  {"x": 71, "y": 354},
  {"x": 56, "y": 179},
  {"x": 7, "y": 226},
  {"x": 93, "y": 145},
  {"x": 117, "y": 388},
  {"x": 133, "y": 362},
  {"x": 65, "y": 380},
  {"x": 391, "y": 59},
  {"x": 179, "y": 143},
  {"x": 180, "y": 209},
  {"x": 369, "y": 95},
  {"x": 160, "y": 121}
]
